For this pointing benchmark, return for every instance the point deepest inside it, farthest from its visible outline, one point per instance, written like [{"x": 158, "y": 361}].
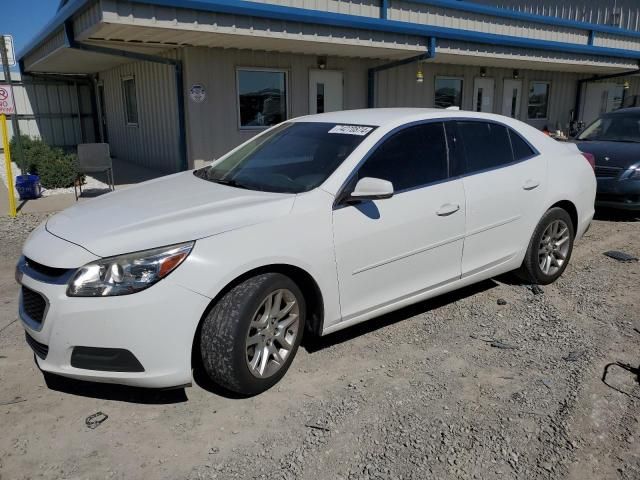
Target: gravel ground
[{"x": 495, "y": 381}]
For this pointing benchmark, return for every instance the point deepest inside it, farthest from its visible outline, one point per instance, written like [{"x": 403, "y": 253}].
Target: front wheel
[
  {"x": 550, "y": 248},
  {"x": 250, "y": 336}
]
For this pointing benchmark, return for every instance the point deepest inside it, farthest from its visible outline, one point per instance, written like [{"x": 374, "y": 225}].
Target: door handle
[
  {"x": 447, "y": 209},
  {"x": 531, "y": 184}
]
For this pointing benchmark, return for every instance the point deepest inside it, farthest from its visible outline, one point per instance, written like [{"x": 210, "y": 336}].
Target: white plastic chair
[{"x": 94, "y": 158}]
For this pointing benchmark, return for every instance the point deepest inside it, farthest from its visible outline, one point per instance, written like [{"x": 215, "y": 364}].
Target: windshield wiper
[{"x": 230, "y": 183}]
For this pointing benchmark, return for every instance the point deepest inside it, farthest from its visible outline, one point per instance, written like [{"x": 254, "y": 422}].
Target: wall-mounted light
[
  {"x": 626, "y": 85},
  {"x": 516, "y": 74},
  {"x": 483, "y": 72},
  {"x": 419, "y": 75},
  {"x": 322, "y": 63}
]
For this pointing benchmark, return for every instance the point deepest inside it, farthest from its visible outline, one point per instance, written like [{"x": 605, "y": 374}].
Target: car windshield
[
  {"x": 291, "y": 158},
  {"x": 614, "y": 128}
]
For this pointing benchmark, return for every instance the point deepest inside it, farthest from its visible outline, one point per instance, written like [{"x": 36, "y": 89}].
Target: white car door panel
[
  {"x": 392, "y": 248},
  {"x": 502, "y": 198},
  {"x": 389, "y": 249}
]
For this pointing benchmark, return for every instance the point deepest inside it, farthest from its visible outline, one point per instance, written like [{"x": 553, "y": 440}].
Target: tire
[
  {"x": 533, "y": 270},
  {"x": 229, "y": 328}
]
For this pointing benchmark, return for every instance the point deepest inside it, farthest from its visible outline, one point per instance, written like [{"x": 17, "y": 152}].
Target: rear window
[
  {"x": 521, "y": 149},
  {"x": 486, "y": 145}
]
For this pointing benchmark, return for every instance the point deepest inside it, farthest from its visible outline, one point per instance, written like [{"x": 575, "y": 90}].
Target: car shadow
[
  {"x": 118, "y": 393},
  {"x": 611, "y": 215},
  {"x": 315, "y": 343}
]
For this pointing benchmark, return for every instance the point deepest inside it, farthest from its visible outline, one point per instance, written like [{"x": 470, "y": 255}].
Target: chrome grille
[{"x": 607, "y": 172}]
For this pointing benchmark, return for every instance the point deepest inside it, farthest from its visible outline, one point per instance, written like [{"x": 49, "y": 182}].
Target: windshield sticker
[{"x": 351, "y": 130}]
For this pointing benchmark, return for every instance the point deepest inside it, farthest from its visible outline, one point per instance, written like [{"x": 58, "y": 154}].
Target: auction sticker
[{"x": 351, "y": 130}]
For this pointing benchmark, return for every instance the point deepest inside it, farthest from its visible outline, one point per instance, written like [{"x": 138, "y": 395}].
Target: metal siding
[
  {"x": 593, "y": 11},
  {"x": 55, "y": 41},
  {"x": 442, "y": 17},
  {"x": 87, "y": 19},
  {"x": 213, "y": 125},
  {"x": 154, "y": 143},
  {"x": 398, "y": 88},
  {"x": 48, "y": 110}
]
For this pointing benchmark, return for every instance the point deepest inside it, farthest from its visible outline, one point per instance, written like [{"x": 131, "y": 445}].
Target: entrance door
[
  {"x": 483, "y": 89},
  {"x": 325, "y": 91},
  {"x": 511, "y": 97},
  {"x": 600, "y": 98}
]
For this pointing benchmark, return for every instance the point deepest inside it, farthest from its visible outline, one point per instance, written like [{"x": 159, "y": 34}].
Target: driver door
[{"x": 389, "y": 250}]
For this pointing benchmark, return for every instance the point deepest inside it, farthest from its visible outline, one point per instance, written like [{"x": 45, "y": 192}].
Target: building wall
[
  {"x": 60, "y": 113},
  {"x": 212, "y": 126},
  {"x": 619, "y": 13},
  {"x": 154, "y": 141}
]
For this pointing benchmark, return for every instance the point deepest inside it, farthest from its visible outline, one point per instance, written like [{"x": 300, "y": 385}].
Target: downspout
[
  {"x": 371, "y": 73},
  {"x": 179, "y": 79},
  {"x": 595, "y": 78}
]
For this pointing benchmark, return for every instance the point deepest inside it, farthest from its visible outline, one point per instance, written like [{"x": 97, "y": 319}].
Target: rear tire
[
  {"x": 250, "y": 336},
  {"x": 549, "y": 249}
]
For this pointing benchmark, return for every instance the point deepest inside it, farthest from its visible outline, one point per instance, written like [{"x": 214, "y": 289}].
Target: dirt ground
[{"x": 422, "y": 393}]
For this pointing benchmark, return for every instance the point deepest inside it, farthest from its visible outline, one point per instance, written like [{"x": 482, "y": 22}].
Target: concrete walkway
[{"x": 125, "y": 174}]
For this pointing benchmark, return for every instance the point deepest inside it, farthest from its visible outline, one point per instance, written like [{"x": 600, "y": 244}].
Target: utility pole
[{"x": 14, "y": 118}]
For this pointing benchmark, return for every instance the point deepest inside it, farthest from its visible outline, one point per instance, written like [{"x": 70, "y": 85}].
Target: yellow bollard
[{"x": 7, "y": 164}]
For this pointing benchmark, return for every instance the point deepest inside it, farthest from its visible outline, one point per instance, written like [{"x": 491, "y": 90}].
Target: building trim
[
  {"x": 463, "y": 6},
  {"x": 308, "y": 16}
]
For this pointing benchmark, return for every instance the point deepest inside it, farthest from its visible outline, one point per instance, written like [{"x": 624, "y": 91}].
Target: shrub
[{"x": 55, "y": 168}]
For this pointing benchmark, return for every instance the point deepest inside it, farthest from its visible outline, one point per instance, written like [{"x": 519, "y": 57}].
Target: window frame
[
  {"x": 123, "y": 80},
  {"x": 448, "y": 77},
  {"x": 287, "y": 113},
  {"x": 450, "y": 130},
  {"x": 548, "y": 84}
]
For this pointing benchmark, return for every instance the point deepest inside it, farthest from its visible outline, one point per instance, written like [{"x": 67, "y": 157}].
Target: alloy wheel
[
  {"x": 554, "y": 247},
  {"x": 272, "y": 333}
]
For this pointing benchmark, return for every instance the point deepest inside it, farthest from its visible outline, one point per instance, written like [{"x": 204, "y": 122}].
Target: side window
[
  {"x": 486, "y": 145},
  {"x": 410, "y": 158},
  {"x": 521, "y": 149}
]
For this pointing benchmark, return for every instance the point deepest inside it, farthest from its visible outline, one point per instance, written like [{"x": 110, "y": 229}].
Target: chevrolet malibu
[{"x": 312, "y": 226}]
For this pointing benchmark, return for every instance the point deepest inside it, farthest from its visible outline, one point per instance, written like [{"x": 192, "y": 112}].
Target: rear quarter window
[{"x": 521, "y": 149}]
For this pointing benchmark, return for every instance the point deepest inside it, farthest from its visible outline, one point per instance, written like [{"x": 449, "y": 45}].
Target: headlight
[
  {"x": 128, "y": 273},
  {"x": 635, "y": 174}
]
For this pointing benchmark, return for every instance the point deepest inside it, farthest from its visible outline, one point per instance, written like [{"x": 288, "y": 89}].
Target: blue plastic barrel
[{"x": 28, "y": 186}]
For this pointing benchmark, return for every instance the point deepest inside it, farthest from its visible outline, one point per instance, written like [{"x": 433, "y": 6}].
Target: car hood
[
  {"x": 172, "y": 209},
  {"x": 620, "y": 154}
]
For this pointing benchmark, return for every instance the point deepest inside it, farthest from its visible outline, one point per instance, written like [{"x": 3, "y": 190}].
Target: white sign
[
  {"x": 7, "y": 106},
  {"x": 197, "y": 93},
  {"x": 351, "y": 130},
  {"x": 11, "y": 53}
]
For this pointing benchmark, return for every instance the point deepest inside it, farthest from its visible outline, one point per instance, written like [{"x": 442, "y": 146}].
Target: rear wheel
[
  {"x": 550, "y": 248},
  {"x": 249, "y": 338}
]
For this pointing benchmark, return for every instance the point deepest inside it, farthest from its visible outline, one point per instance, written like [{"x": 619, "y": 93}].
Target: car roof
[
  {"x": 387, "y": 116},
  {"x": 622, "y": 111}
]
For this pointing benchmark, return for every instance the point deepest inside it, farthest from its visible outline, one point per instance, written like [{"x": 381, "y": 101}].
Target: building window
[
  {"x": 262, "y": 97},
  {"x": 448, "y": 92},
  {"x": 130, "y": 100},
  {"x": 538, "y": 100}
]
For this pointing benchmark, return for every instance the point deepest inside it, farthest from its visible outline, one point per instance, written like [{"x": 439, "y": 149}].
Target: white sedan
[{"x": 312, "y": 226}]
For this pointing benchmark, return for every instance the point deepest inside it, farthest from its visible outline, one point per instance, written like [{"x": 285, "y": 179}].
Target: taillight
[{"x": 590, "y": 158}]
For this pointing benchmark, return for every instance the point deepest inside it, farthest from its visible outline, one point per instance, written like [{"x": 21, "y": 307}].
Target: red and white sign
[{"x": 6, "y": 101}]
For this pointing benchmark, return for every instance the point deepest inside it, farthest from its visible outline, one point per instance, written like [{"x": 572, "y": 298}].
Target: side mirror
[{"x": 369, "y": 188}]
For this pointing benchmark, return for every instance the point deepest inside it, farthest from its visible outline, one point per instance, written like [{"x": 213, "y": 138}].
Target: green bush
[{"x": 55, "y": 168}]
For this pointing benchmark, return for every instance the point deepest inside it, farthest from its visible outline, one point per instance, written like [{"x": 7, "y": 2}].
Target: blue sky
[{"x": 24, "y": 18}]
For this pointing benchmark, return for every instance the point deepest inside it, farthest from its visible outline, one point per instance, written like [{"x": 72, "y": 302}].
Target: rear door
[
  {"x": 504, "y": 181},
  {"x": 388, "y": 250}
]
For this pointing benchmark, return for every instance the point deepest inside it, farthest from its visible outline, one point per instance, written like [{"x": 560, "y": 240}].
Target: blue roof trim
[
  {"x": 464, "y": 6},
  {"x": 66, "y": 11},
  {"x": 303, "y": 15},
  {"x": 307, "y": 16},
  {"x": 62, "y": 4}
]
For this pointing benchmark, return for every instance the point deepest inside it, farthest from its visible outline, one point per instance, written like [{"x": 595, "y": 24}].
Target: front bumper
[
  {"x": 156, "y": 326},
  {"x": 620, "y": 194}
]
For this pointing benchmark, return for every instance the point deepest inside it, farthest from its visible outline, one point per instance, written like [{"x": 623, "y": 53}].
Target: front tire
[
  {"x": 250, "y": 336},
  {"x": 550, "y": 248}
]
